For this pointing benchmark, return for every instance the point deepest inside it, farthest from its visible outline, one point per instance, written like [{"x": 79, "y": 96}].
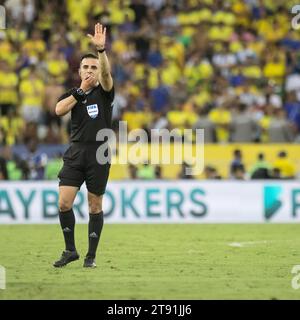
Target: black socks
[
  {"x": 67, "y": 222},
  {"x": 95, "y": 228}
]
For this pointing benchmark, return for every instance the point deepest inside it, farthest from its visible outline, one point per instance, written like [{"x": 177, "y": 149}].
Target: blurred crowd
[
  {"x": 262, "y": 169},
  {"x": 230, "y": 67},
  {"x": 280, "y": 168}
]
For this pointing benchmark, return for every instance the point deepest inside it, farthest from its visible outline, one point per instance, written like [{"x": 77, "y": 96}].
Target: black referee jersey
[
  {"x": 80, "y": 161},
  {"x": 92, "y": 115}
]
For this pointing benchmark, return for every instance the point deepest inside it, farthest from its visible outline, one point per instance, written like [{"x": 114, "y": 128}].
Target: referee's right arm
[
  {"x": 65, "y": 105},
  {"x": 68, "y": 101}
]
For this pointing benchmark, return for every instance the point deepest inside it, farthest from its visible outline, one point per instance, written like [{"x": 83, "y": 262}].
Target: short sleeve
[{"x": 109, "y": 95}]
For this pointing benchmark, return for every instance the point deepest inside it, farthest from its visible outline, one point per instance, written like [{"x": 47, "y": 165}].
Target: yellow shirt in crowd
[
  {"x": 8, "y": 87},
  {"x": 287, "y": 169},
  {"x": 221, "y": 117},
  {"x": 32, "y": 92},
  {"x": 137, "y": 120}
]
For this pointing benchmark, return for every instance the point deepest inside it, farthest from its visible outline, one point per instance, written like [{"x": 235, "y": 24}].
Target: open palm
[{"x": 98, "y": 39}]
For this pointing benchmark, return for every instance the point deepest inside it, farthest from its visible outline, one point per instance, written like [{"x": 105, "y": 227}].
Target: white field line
[{"x": 248, "y": 243}]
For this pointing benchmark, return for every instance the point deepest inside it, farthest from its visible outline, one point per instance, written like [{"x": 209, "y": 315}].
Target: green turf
[{"x": 154, "y": 262}]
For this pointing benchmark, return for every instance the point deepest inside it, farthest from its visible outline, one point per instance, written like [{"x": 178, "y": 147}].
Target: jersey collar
[{"x": 97, "y": 84}]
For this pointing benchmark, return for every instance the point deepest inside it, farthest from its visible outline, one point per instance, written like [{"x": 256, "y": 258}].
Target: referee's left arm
[
  {"x": 105, "y": 77},
  {"x": 98, "y": 40}
]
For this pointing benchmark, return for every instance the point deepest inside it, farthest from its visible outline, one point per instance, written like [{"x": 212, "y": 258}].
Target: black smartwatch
[{"x": 78, "y": 94}]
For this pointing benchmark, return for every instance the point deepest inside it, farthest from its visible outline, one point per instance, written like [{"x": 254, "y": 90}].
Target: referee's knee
[
  {"x": 95, "y": 209},
  {"x": 64, "y": 205}
]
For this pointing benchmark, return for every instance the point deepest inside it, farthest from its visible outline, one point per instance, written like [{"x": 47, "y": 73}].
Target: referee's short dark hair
[{"x": 89, "y": 55}]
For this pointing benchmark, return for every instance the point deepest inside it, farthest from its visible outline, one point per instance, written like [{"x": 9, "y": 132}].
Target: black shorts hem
[
  {"x": 97, "y": 192},
  {"x": 69, "y": 182}
]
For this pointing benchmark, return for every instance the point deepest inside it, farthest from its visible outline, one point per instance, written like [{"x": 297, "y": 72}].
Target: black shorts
[{"x": 80, "y": 164}]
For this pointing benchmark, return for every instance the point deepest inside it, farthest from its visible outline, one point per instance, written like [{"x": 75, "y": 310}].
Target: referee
[{"x": 91, "y": 111}]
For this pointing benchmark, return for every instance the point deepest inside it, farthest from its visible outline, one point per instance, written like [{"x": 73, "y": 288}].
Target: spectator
[
  {"x": 8, "y": 87},
  {"x": 154, "y": 57},
  {"x": 36, "y": 161},
  {"x": 12, "y": 125},
  {"x": 238, "y": 172},
  {"x": 159, "y": 121},
  {"x": 21, "y": 10},
  {"x": 206, "y": 124},
  {"x": 30, "y": 132},
  {"x": 52, "y": 92},
  {"x": 142, "y": 38},
  {"x": 261, "y": 168},
  {"x": 292, "y": 108},
  {"x": 285, "y": 166},
  {"x": 158, "y": 172},
  {"x": 224, "y": 60},
  {"x": 237, "y": 163},
  {"x": 146, "y": 171},
  {"x": 221, "y": 118},
  {"x": 276, "y": 174},
  {"x": 132, "y": 170},
  {"x": 243, "y": 127},
  {"x": 3, "y": 163},
  {"x": 211, "y": 173},
  {"x": 159, "y": 96},
  {"x": 280, "y": 130},
  {"x": 140, "y": 11},
  {"x": 120, "y": 104},
  {"x": 32, "y": 92},
  {"x": 183, "y": 174}
]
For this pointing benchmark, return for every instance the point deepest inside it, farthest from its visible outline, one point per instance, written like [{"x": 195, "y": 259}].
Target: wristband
[{"x": 78, "y": 94}]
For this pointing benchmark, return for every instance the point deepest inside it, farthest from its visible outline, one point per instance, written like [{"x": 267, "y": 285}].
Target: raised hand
[{"x": 98, "y": 39}]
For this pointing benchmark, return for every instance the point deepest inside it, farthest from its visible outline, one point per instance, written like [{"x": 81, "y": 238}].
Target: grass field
[{"x": 154, "y": 262}]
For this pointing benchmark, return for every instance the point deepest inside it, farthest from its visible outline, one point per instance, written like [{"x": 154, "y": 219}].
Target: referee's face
[{"x": 89, "y": 67}]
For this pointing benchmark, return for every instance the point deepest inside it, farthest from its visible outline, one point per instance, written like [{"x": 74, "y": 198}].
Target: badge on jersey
[{"x": 92, "y": 110}]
